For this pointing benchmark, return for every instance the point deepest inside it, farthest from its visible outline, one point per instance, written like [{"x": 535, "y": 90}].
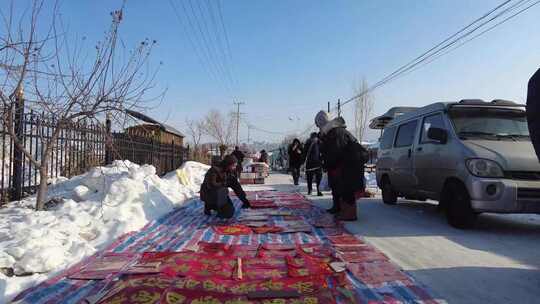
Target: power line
[
  {"x": 205, "y": 42},
  {"x": 197, "y": 48},
  {"x": 474, "y": 37},
  {"x": 211, "y": 45},
  {"x": 228, "y": 44},
  {"x": 441, "y": 48},
  {"x": 404, "y": 69},
  {"x": 200, "y": 43},
  {"x": 227, "y": 61}
]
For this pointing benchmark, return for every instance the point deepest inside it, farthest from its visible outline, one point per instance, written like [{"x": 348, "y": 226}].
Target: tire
[
  {"x": 389, "y": 195},
  {"x": 457, "y": 202}
]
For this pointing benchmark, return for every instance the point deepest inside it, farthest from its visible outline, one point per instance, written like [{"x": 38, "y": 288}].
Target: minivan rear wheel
[
  {"x": 389, "y": 195},
  {"x": 457, "y": 202}
]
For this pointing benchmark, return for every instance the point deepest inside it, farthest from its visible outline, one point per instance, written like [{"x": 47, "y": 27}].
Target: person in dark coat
[
  {"x": 345, "y": 170},
  {"x": 295, "y": 159},
  {"x": 240, "y": 157},
  {"x": 264, "y": 157},
  {"x": 533, "y": 111},
  {"x": 215, "y": 188},
  {"x": 313, "y": 162}
]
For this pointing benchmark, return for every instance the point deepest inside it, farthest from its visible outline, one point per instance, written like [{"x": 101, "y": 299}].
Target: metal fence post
[
  {"x": 108, "y": 141},
  {"x": 173, "y": 156},
  {"x": 16, "y": 192}
]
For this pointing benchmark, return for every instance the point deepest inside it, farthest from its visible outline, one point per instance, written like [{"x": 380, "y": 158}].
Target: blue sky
[{"x": 291, "y": 57}]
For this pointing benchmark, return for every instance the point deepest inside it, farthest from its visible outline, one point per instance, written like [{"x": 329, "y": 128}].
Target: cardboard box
[
  {"x": 245, "y": 175},
  {"x": 258, "y": 168},
  {"x": 247, "y": 181},
  {"x": 261, "y": 175}
]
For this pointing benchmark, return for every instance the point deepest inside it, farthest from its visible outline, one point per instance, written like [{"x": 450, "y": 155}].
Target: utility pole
[
  {"x": 238, "y": 104},
  {"x": 249, "y": 132},
  {"x": 339, "y": 107},
  {"x": 329, "y": 107}
]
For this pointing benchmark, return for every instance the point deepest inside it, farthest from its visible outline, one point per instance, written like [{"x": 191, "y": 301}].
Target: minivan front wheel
[
  {"x": 457, "y": 202},
  {"x": 389, "y": 195}
]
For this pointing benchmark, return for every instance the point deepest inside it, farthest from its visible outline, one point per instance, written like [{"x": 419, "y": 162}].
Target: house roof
[{"x": 146, "y": 118}]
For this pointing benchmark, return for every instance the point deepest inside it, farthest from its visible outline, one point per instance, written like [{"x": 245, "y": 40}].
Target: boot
[
  {"x": 207, "y": 209},
  {"x": 333, "y": 210},
  {"x": 347, "y": 212},
  {"x": 319, "y": 193},
  {"x": 335, "y": 204}
]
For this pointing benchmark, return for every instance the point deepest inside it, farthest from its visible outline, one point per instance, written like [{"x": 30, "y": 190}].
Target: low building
[{"x": 155, "y": 130}]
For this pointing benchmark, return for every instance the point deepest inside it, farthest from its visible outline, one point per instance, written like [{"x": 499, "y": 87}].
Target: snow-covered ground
[{"x": 95, "y": 209}]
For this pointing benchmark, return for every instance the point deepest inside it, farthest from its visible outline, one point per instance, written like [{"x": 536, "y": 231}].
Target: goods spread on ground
[{"x": 284, "y": 250}]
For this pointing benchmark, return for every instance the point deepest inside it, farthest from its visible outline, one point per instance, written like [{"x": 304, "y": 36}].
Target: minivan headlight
[{"x": 484, "y": 168}]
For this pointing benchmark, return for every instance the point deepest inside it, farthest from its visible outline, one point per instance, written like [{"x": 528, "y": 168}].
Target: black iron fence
[
  {"x": 78, "y": 147},
  {"x": 142, "y": 150}
]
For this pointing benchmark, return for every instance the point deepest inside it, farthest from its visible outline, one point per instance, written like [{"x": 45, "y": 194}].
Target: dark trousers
[
  {"x": 221, "y": 203},
  {"x": 295, "y": 174},
  {"x": 309, "y": 176}
]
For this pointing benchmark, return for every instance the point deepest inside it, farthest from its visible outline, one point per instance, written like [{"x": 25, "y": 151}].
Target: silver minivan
[{"x": 472, "y": 156}]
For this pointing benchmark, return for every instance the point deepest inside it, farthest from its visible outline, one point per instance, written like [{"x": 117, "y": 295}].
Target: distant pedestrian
[
  {"x": 264, "y": 157},
  {"x": 344, "y": 159},
  {"x": 533, "y": 111},
  {"x": 313, "y": 162},
  {"x": 295, "y": 159},
  {"x": 215, "y": 188},
  {"x": 240, "y": 157}
]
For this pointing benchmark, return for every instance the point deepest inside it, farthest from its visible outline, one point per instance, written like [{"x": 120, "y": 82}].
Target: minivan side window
[
  {"x": 387, "y": 138},
  {"x": 435, "y": 121},
  {"x": 405, "y": 134}
]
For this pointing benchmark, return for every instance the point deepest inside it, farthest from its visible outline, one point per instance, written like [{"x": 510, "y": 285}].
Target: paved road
[{"x": 496, "y": 262}]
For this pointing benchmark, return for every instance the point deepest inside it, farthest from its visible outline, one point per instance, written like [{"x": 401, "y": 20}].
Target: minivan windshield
[{"x": 489, "y": 123}]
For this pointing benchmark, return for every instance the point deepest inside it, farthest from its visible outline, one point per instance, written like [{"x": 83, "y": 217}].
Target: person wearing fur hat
[
  {"x": 215, "y": 188},
  {"x": 345, "y": 169}
]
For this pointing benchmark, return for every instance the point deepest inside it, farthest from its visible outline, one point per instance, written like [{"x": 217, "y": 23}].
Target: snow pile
[{"x": 95, "y": 209}]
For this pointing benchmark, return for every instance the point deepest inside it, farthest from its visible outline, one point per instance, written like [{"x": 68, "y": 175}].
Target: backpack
[{"x": 356, "y": 155}]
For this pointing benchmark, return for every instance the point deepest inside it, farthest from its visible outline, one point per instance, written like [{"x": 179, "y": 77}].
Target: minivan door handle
[
  {"x": 410, "y": 152},
  {"x": 419, "y": 149}
]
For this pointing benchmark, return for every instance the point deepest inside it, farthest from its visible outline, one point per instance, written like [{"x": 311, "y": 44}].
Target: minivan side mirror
[{"x": 438, "y": 134}]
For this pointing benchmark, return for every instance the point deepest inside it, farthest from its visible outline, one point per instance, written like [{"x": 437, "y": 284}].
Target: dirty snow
[{"x": 96, "y": 208}]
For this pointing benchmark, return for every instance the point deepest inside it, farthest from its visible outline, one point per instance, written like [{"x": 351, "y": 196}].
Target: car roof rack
[
  {"x": 480, "y": 102},
  {"x": 472, "y": 101},
  {"x": 503, "y": 102}
]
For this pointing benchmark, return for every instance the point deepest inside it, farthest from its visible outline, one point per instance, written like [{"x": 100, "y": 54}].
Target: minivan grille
[
  {"x": 528, "y": 193},
  {"x": 523, "y": 175}
]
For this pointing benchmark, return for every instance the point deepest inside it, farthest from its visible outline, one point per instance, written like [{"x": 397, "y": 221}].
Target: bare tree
[
  {"x": 220, "y": 127},
  {"x": 195, "y": 130},
  {"x": 363, "y": 110},
  {"x": 57, "y": 76}
]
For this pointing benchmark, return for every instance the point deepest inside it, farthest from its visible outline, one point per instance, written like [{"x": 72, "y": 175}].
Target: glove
[{"x": 245, "y": 203}]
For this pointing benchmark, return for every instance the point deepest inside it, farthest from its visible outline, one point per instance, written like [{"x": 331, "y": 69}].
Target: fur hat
[{"x": 322, "y": 118}]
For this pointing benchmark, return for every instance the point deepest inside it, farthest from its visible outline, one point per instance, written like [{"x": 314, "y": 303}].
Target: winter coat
[
  {"x": 216, "y": 178},
  {"x": 239, "y": 156},
  {"x": 346, "y": 174},
  {"x": 313, "y": 154},
  {"x": 264, "y": 158},
  {"x": 533, "y": 111},
  {"x": 295, "y": 157}
]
